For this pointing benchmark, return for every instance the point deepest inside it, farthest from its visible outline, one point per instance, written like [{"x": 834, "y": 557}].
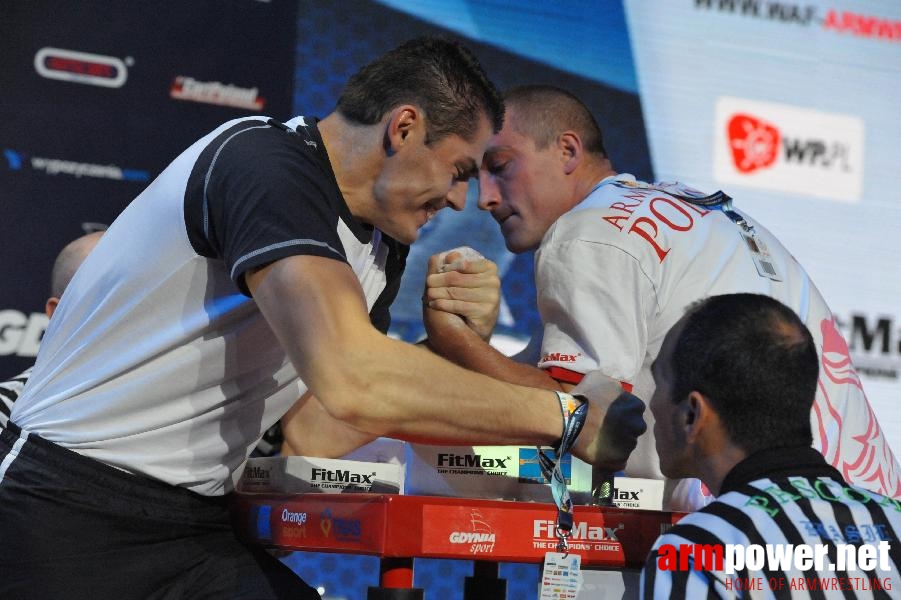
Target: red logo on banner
[
  {"x": 754, "y": 143},
  {"x": 81, "y": 67}
]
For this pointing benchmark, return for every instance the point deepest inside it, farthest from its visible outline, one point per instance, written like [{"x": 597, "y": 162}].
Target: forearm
[
  {"x": 309, "y": 430},
  {"x": 381, "y": 386},
  {"x": 409, "y": 393},
  {"x": 463, "y": 347}
]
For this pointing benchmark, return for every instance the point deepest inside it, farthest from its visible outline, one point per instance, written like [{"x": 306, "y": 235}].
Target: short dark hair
[
  {"x": 440, "y": 76},
  {"x": 545, "y": 111},
  {"x": 756, "y": 362}
]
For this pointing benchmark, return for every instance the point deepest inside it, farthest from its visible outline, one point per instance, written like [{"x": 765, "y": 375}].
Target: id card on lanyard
[{"x": 561, "y": 576}]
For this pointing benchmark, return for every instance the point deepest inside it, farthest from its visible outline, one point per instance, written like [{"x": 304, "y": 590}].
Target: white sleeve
[{"x": 595, "y": 302}]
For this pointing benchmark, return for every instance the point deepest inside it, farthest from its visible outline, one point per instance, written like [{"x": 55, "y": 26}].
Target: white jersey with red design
[{"x": 617, "y": 271}]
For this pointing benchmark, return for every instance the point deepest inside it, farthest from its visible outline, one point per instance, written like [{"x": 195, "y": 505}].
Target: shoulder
[
  {"x": 261, "y": 148},
  {"x": 720, "y": 522}
]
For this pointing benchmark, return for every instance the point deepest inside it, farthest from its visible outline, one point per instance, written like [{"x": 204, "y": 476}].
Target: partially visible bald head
[{"x": 68, "y": 261}]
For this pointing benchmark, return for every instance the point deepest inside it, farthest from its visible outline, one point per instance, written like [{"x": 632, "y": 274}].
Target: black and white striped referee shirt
[
  {"x": 9, "y": 391},
  {"x": 775, "y": 507}
]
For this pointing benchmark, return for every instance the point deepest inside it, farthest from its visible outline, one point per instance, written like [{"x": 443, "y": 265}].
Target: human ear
[
  {"x": 570, "y": 145},
  {"x": 697, "y": 415},
  {"x": 51, "y": 305},
  {"x": 402, "y": 122}
]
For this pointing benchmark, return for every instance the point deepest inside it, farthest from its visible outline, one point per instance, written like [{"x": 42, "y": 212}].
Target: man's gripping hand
[
  {"x": 463, "y": 285},
  {"x": 615, "y": 422}
]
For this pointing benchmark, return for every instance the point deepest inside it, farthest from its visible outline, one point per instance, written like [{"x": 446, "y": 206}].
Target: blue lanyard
[
  {"x": 722, "y": 202},
  {"x": 550, "y": 468}
]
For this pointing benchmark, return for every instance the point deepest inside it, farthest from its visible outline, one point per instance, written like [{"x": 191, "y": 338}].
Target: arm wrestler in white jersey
[{"x": 617, "y": 262}]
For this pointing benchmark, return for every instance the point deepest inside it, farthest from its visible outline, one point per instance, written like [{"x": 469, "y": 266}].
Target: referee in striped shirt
[{"x": 736, "y": 379}]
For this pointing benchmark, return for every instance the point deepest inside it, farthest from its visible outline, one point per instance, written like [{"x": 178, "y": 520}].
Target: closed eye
[
  {"x": 465, "y": 173},
  {"x": 496, "y": 168}
]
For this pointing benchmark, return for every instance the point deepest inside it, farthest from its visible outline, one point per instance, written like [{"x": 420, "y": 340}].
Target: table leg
[
  {"x": 395, "y": 581},
  {"x": 484, "y": 583}
]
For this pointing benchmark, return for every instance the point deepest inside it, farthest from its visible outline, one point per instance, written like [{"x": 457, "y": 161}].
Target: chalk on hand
[{"x": 465, "y": 253}]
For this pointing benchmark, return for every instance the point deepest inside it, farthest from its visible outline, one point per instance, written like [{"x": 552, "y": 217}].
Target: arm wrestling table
[{"x": 399, "y": 528}]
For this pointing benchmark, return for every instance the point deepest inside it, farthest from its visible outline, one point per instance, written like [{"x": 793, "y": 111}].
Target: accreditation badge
[{"x": 561, "y": 577}]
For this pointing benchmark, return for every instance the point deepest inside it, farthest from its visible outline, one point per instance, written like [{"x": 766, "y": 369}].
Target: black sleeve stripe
[
  {"x": 791, "y": 532},
  {"x": 878, "y": 514},
  {"x": 842, "y": 516},
  {"x": 287, "y": 244},
  {"x": 736, "y": 518},
  {"x": 697, "y": 535},
  {"x": 679, "y": 588},
  {"x": 783, "y": 524}
]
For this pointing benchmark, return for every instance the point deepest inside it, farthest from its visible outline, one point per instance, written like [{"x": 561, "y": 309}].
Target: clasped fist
[
  {"x": 615, "y": 422},
  {"x": 465, "y": 287}
]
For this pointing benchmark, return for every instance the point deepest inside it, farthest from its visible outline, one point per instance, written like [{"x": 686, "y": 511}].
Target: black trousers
[{"x": 73, "y": 528}]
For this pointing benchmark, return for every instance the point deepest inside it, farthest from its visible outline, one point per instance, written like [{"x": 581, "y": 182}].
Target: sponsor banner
[
  {"x": 830, "y": 20},
  {"x": 492, "y": 472},
  {"x": 862, "y": 25},
  {"x": 216, "y": 92},
  {"x": 81, "y": 67},
  {"x": 456, "y": 529},
  {"x": 346, "y": 526},
  {"x": 453, "y": 530},
  {"x": 526, "y": 534},
  {"x": 19, "y": 161},
  {"x": 823, "y": 84},
  {"x": 92, "y": 122},
  {"x": 874, "y": 343},
  {"x": 298, "y": 474},
  {"x": 788, "y": 149},
  {"x": 637, "y": 492},
  {"x": 496, "y": 472},
  {"x": 440, "y": 528},
  {"x": 21, "y": 333}
]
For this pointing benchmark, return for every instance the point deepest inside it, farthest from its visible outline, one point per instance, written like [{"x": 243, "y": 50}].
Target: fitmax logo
[
  {"x": 557, "y": 356},
  {"x": 342, "y": 476},
  {"x": 581, "y": 531},
  {"x": 256, "y": 472},
  {"x": 471, "y": 461},
  {"x": 626, "y": 495}
]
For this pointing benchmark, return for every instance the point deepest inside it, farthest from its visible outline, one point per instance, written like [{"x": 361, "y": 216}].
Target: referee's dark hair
[
  {"x": 440, "y": 76},
  {"x": 756, "y": 362}
]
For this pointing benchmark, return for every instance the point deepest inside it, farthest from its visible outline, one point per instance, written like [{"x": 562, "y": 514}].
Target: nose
[
  {"x": 489, "y": 193},
  {"x": 456, "y": 196}
]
